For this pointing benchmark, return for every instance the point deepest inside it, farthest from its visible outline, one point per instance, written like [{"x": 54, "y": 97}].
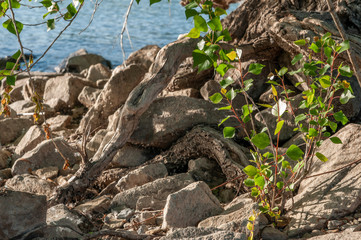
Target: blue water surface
[{"x": 158, "y": 24}]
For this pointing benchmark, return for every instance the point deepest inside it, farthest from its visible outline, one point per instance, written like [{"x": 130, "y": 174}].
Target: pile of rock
[{"x": 159, "y": 184}]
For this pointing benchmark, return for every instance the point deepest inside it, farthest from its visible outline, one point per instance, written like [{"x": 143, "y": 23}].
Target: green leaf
[
  {"x": 286, "y": 164},
  {"x": 8, "y": 24},
  {"x": 261, "y": 140},
  {"x": 328, "y": 51},
  {"x": 223, "y": 120},
  {"x": 346, "y": 96},
  {"x": 336, "y": 140},
  {"x": 216, "y": 98},
  {"x": 226, "y": 82},
  {"x": 250, "y": 170},
  {"x": 344, "y": 46},
  {"x": 255, "y": 68},
  {"x": 294, "y": 152},
  {"x": 229, "y": 132},
  {"x": 10, "y": 80},
  {"x": 322, "y": 157},
  {"x": 200, "y": 23},
  {"x": 50, "y": 24},
  {"x": 231, "y": 94},
  {"x": 265, "y": 105},
  {"x": 194, "y": 33},
  {"x": 325, "y": 81},
  {"x": 300, "y": 117},
  {"x": 345, "y": 71},
  {"x": 298, "y": 166},
  {"x": 279, "y": 126},
  {"x": 249, "y": 182},
  {"x": 314, "y": 48},
  {"x": 16, "y": 55},
  {"x": 190, "y": 13},
  {"x": 222, "y": 69},
  {"x": 191, "y": 5},
  {"x": 219, "y": 11},
  {"x": 300, "y": 42},
  {"x": 46, "y": 3},
  {"x": 225, "y": 108},
  {"x": 340, "y": 117},
  {"x": 151, "y": 2},
  {"x": 332, "y": 125},
  {"x": 15, "y": 4},
  {"x": 248, "y": 84},
  {"x": 215, "y": 24},
  {"x": 280, "y": 185},
  {"x": 297, "y": 58},
  {"x": 282, "y": 71},
  {"x": 259, "y": 181},
  {"x": 312, "y": 132},
  {"x": 254, "y": 192}
]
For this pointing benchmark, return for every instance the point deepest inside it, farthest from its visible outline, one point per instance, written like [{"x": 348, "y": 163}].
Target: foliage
[{"x": 271, "y": 175}]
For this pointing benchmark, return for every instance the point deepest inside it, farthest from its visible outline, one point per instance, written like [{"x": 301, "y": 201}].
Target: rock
[
  {"x": 189, "y": 206},
  {"x": 338, "y": 190},
  {"x": 88, "y": 96},
  {"x": 65, "y": 88},
  {"x": 160, "y": 188},
  {"x": 16, "y": 94},
  {"x": 188, "y": 92},
  {"x": 5, "y": 173},
  {"x": 114, "y": 94},
  {"x": 4, "y": 158},
  {"x": 30, "y": 140},
  {"x": 47, "y": 172},
  {"x": 97, "y": 205},
  {"x": 60, "y": 232},
  {"x": 129, "y": 156},
  {"x": 188, "y": 77},
  {"x": 12, "y": 113},
  {"x": 44, "y": 155},
  {"x": 12, "y": 128},
  {"x": 193, "y": 233},
  {"x": 234, "y": 217},
  {"x": 80, "y": 60},
  {"x": 150, "y": 202},
  {"x": 60, "y": 215},
  {"x": 94, "y": 144},
  {"x": 144, "y": 57},
  {"x": 21, "y": 105},
  {"x": 338, "y": 236},
  {"x": 141, "y": 176},
  {"x": 98, "y": 71},
  {"x": 271, "y": 233},
  {"x": 59, "y": 122},
  {"x": 31, "y": 184},
  {"x": 37, "y": 84},
  {"x": 209, "y": 88},
  {"x": 20, "y": 213},
  {"x": 334, "y": 224},
  {"x": 147, "y": 217},
  {"x": 267, "y": 96},
  {"x": 169, "y": 118}
]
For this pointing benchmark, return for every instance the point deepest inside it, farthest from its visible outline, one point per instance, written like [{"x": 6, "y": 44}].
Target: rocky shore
[{"x": 176, "y": 177}]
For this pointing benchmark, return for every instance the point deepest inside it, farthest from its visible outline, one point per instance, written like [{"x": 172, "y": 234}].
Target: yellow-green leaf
[{"x": 232, "y": 55}]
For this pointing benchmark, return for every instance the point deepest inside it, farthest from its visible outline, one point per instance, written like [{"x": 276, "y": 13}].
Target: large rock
[
  {"x": 234, "y": 217},
  {"x": 160, "y": 188},
  {"x": 193, "y": 233},
  {"x": 142, "y": 176},
  {"x": 31, "y": 184},
  {"x": 12, "y": 128},
  {"x": 62, "y": 216},
  {"x": 37, "y": 84},
  {"x": 44, "y": 155},
  {"x": 80, "y": 60},
  {"x": 169, "y": 118},
  {"x": 65, "y": 90},
  {"x": 332, "y": 195},
  {"x": 114, "y": 94},
  {"x": 98, "y": 71},
  {"x": 4, "y": 158},
  {"x": 30, "y": 140},
  {"x": 189, "y": 206},
  {"x": 339, "y": 236},
  {"x": 88, "y": 96},
  {"x": 143, "y": 57},
  {"x": 20, "y": 213},
  {"x": 59, "y": 122}
]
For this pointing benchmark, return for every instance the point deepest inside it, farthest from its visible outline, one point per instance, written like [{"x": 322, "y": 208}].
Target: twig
[
  {"x": 96, "y": 5},
  {"x": 124, "y": 28},
  {"x": 344, "y": 38}
]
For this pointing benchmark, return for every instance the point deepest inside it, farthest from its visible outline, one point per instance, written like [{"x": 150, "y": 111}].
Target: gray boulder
[
  {"x": 193, "y": 233},
  {"x": 88, "y": 96},
  {"x": 98, "y": 71},
  {"x": 30, "y": 140},
  {"x": 12, "y": 128},
  {"x": 20, "y": 213},
  {"x": 189, "y": 206}
]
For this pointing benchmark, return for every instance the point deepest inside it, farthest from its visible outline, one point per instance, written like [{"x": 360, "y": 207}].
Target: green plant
[{"x": 271, "y": 175}]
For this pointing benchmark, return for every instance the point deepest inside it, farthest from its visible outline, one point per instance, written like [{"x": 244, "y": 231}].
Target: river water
[{"x": 158, "y": 24}]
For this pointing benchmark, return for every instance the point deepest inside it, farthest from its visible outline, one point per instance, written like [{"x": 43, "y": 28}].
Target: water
[{"x": 158, "y": 24}]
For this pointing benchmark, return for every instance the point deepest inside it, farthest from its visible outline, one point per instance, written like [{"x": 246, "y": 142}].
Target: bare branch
[{"x": 124, "y": 28}]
